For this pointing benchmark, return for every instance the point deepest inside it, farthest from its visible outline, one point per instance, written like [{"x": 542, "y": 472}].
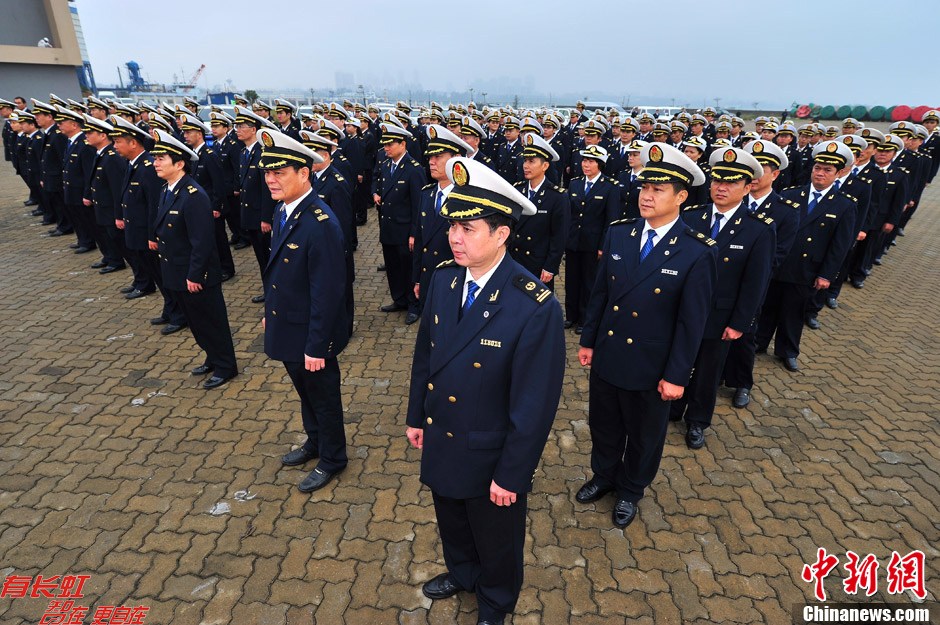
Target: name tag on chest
[
  {"x": 670, "y": 272},
  {"x": 736, "y": 247}
]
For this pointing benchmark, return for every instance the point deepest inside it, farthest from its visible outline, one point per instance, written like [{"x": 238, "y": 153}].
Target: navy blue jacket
[
  {"x": 106, "y": 185},
  {"x": 432, "y": 246},
  {"x": 629, "y": 193},
  {"x": 333, "y": 189},
  {"x": 255, "y": 199},
  {"x": 305, "y": 284},
  {"x": 401, "y": 195},
  {"x": 508, "y": 161},
  {"x": 185, "y": 233},
  {"x": 79, "y": 164},
  {"x": 53, "y": 160},
  {"x": 139, "y": 200},
  {"x": 889, "y": 196},
  {"x": 210, "y": 175},
  {"x": 745, "y": 248},
  {"x": 645, "y": 321},
  {"x": 591, "y": 215},
  {"x": 786, "y": 221},
  {"x": 33, "y": 158},
  {"x": 858, "y": 187},
  {"x": 538, "y": 241},
  {"x": 822, "y": 240},
  {"x": 485, "y": 388}
]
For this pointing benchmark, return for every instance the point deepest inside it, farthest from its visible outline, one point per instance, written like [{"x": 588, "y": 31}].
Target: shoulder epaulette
[
  {"x": 696, "y": 207},
  {"x": 446, "y": 263},
  {"x": 320, "y": 215},
  {"x": 791, "y": 203},
  {"x": 698, "y": 236},
  {"x": 428, "y": 186},
  {"x": 628, "y": 220},
  {"x": 533, "y": 288},
  {"x": 191, "y": 189},
  {"x": 559, "y": 188},
  {"x": 339, "y": 176},
  {"x": 761, "y": 217},
  {"x": 796, "y": 186},
  {"x": 851, "y": 197},
  {"x": 519, "y": 184}
]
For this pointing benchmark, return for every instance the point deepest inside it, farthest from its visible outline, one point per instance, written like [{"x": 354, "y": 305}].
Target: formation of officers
[{"x": 688, "y": 245}]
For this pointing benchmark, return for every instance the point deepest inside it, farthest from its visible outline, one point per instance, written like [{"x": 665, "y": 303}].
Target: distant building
[{"x": 28, "y": 67}]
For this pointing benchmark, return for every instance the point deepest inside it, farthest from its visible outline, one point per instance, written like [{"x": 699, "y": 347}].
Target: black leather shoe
[
  {"x": 877, "y": 261},
  {"x": 299, "y": 456},
  {"x": 73, "y": 246},
  {"x": 390, "y": 308},
  {"x": 136, "y": 294},
  {"x": 579, "y": 330},
  {"x": 126, "y": 289},
  {"x": 569, "y": 324},
  {"x": 31, "y": 202},
  {"x": 441, "y": 587},
  {"x": 742, "y": 397},
  {"x": 790, "y": 364},
  {"x": 858, "y": 284},
  {"x": 241, "y": 245},
  {"x": 257, "y": 299},
  {"x": 57, "y": 233},
  {"x": 411, "y": 318},
  {"x": 900, "y": 232},
  {"x": 380, "y": 268},
  {"x": 499, "y": 622},
  {"x": 866, "y": 272},
  {"x": 216, "y": 381},
  {"x": 695, "y": 436},
  {"x": 170, "y": 328},
  {"x": 226, "y": 276},
  {"x": 832, "y": 303},
  {"x": 99, "y": 264},
  {"x": 202, "y": 370},
  {"x": 624, "y": 513},
  {"x": 812, "y": 322},
  {"x": 159, "y": 321},
  {"x": 591, "y": 491},
  {"x": 112, "y": 268},
  {"x": 81, "y": 249},
  {"x": 315, "y": 480}
]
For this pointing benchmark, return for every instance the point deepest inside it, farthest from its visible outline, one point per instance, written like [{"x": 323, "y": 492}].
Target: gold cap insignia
[
  {"x": 832, "y": 147},
  {"x": 847, "y": 140},
  {"x": 758, "y": 147},
  {"x": 432, "y": 132},
  {"x": 461, "y": 176},
  {"x": 529, "y": 140},
  {"x": 267, "y": 140},
  {"x": 730, "y": 156},
  {"x": 656, "y": 154}
]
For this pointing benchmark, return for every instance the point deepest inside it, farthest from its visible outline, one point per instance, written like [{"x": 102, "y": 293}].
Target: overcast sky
[{"x": 823, "y": 51}]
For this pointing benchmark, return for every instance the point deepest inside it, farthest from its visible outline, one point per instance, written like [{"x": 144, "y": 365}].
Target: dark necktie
[
  {"x": 282, "y": 219},
  {"x": 648, "y": 246},
  {"x": 392, "y": 171},
  {"x": 716, "y": 226},
  {"x": 753, "y": 206},
  {"x": 855, "y": 171},
  {"x": 165, "y": 200},
  {"x": 438, "y": 201},
  {"x": 587, "y": 187},
  {"x": 472, "y": 289},
  {"x": 813, "y": 202},
  {"x": 836, "y": 185},
  {"x": 531, "y": 194}
]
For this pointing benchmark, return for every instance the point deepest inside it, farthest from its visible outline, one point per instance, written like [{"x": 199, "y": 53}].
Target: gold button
[
  {"x": 610, "y": 333},
  {"x": 613, "y": 277},
  {"x": 435, "y": 253},
  {"x": 170, "y": 225},
  {"x": 425, "y": 249},
  {"x": 274, "y": 286},
  {"x": 635, "y": 315},
  {"x": 430, "y": 420},
  {"x": 809, "y": 239},
  {"x": 452, "y": 399},
  {"x": 629, "y": 341},
  {"x": 657, "y": 291},
  {"x": 528, "y": 238},
  {"x": 805, "y": 255},
  {"x": 726, "y": 259},
  {"x": 430, "y": 386},
  {"x": 477, "y": 365},
  {"x": 286, "y": 260},
  {"x": 616, "y": 308},
  {"x": 450, "y": 435},
  {"x": 274, "y": 312}
]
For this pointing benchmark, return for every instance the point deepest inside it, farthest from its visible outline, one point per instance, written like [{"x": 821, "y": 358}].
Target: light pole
[{"x": 471, "y": 94}]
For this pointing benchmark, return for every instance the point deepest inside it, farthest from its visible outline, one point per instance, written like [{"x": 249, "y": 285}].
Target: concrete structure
[{"x": 28, "y": 67}]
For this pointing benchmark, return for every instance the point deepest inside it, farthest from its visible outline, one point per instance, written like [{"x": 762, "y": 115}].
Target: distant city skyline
[{"x": 807, "y": 54}]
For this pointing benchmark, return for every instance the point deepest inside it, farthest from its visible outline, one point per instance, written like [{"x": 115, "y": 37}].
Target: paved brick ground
[{"x": 115, "y": 464}]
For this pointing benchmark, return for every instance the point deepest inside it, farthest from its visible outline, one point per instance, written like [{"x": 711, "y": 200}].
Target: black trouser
[
  {"x": 233, "y": 218},
  {"x": 150, "y": 263},
  {"x": 111, "y": 243},
  {"x": 261, "y": 244},
  {"x": 697, "y": 403},
  {"x": 628, "y": 431},
  {"x": 221, "y": 244},
  {"x": 739, "y": 364},
  {"x": 580, "y": 270},
  {"x": 398, "y": 272},
  {"x": 321, "y": 409},
  {"x": 53, "y": 208},
  {"x": 835, "y": 288},
  {"x": 350, "y": 278},
  {"x": 783, "y": 314},
  {"x": 362, "y": 198},
  {"x": 860, "y": 256},
  {"x": 143, "y": 278},
  {"x": 208, "y": 321},
  {"x": 483, "y": 549},
  {"x": 83, "y": 220}
]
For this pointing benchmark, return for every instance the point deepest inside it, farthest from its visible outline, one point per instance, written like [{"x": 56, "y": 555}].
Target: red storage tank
[{"x": 901, "y": 113}]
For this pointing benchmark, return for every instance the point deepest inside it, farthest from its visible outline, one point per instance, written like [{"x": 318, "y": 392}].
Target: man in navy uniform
[
  {"x": 9, "y": 135},
  {"x": 103, "y": 195},
  {"x": 594, "y": 202},
  {"x": 824, "y": 237},
  {"x": 333, "y": 188},
  {"x": 629, "y": 179},
  {"x": 431, "y": 246},
  {"x": 305, "y": 316},
  {"x": 209, "y": 173},
  {"x": 227, "y": 145},
  {"x": 284, "y": 113},
  {"x": 77, "y": 172},
  {"x": 764, "y": 202},
  {"x": 485, "y": 383},
  {"x": 52, "y": 163},
  {"x": 137, "y": 216},
  {"x": 398, "y": 196},
  {"x": 257, "y": 205},
  {"x": 472, "y": 133},
  {"x": 645, "y": 321},
  {"x": 509, "y": 155},
  {"x": 745, "y": 246},
  {"x": 189, "y": 263},
  {"x": 538, "y": 241}
]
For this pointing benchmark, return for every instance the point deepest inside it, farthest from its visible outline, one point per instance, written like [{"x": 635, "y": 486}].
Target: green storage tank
[
  {"x": 859, "y": 112},
  {"x": 844, "y": 111},
  {"x": 816, "y": 109},
  {"x": 888, "y": 113},
  {"x": 827, "y": 112},
  {"x": 876, "y": 113}
]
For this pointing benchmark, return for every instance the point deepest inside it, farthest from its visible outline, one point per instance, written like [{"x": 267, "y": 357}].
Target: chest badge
[
  {"x": 292, "y": 246},
  {"x": 615, "y": 256}
]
